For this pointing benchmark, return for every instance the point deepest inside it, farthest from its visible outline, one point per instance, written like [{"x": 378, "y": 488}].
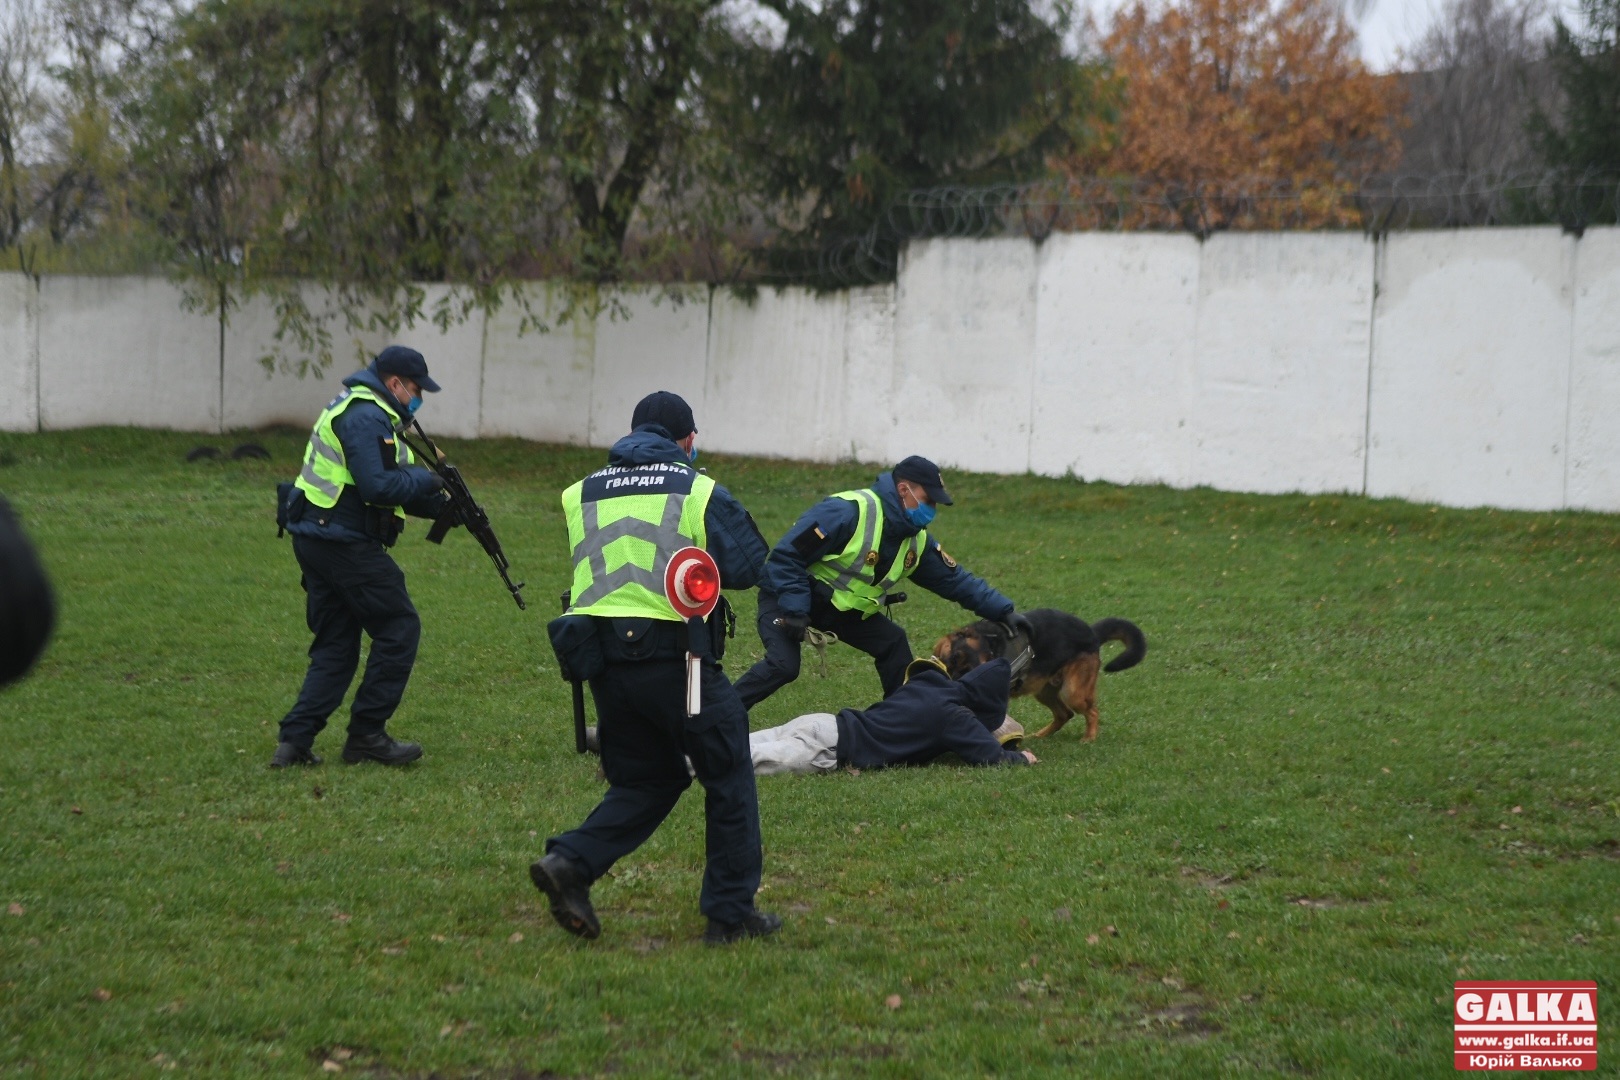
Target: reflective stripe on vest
[
  {"x": 852, "y": 573},
  {"x": 643, "y": 529},
  {"x": 326, "y": 470}
]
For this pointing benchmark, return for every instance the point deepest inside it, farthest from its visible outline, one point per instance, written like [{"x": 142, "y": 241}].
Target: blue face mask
[
  {"x": 920, "y": 515},
  {"x": 412, "y": 405},
  {"x": 691, "y": 455}
]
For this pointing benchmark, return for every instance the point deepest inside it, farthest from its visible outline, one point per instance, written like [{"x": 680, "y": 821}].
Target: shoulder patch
[
  {"x": 808, "y": 542},
  {"x": 871, "y": 558},
  {"x": 911, "y": 559},
  {"x": 945, "y": 557}
]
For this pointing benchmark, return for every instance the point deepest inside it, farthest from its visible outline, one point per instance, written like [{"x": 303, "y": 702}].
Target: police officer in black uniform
[
  {"x": 837, "y": 564},
  {"x": 624, "y": 636},
  {"x": 344, "y": 511}
]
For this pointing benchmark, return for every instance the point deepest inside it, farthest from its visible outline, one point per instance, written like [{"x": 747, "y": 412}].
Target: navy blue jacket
[
  {"x": 932, "y": 715},
  {"x": 787, "y": 572},
  {"x": 733, "y": 538},
  {"x": 367, "y": 433}
]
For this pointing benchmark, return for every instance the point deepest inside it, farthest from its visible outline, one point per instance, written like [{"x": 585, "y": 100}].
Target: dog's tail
[{"x": 1126, "y": 633}]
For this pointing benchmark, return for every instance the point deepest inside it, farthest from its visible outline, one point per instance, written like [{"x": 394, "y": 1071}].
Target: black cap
[
  {"x": 407, "y": 364},
  {"x": 669, "y": 411},
  {"x": 925, "y": 474}
]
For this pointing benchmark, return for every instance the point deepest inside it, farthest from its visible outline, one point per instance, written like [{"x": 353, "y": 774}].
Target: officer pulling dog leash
[{"x": 463, "y": 510}]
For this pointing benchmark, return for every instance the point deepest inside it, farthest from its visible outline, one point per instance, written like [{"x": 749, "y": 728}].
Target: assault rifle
[{"x": 463, "y": 510}]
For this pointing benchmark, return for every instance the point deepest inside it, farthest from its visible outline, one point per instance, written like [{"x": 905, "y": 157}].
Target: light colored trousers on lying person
[{"x": 805, "y": 744}]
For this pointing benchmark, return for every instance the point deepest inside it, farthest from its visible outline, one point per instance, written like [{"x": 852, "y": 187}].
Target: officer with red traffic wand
[{"x": 654, "y": 541}]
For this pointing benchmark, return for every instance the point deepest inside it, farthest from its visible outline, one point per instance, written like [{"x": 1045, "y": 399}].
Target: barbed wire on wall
[{"x": 1375, "y": 205}]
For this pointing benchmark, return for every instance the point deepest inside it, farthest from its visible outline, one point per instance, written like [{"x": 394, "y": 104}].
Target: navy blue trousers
[
  {"x": 352, "y": 587},
  {"x": 646, "y": 737},
  {"x": 880, "y": 637}
]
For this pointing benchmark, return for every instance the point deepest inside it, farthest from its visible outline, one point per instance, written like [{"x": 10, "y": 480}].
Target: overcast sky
[
  {"x": 1389, "y": 25},
  {"x": 1384, "y": 26}
]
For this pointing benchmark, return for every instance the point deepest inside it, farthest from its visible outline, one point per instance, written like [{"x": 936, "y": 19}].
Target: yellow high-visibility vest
[
  {"x": 624, "y": 523},
  {"x": 853, "y": 573},
  {"x": 326, "y": 469}
]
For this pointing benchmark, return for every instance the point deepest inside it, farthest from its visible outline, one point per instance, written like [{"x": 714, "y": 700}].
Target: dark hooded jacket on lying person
[{"x": 930, "y": 716}]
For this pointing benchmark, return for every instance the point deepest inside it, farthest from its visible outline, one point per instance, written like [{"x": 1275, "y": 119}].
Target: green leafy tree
[
  {"x": 1585, "y": 138},
  {"x": 612, "y": 87},
  {"x": 865, "y": 99},
  {"x": 365, "y": 145},
  {"x": 22, "y": 108},
  {"x": 373, "y": 145}
]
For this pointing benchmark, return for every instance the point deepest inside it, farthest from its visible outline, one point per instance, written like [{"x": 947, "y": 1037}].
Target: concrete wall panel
[
  {"x": 646, "y": 340},
  {"x": 1116, "y": 321},
  {"x": 455, "y": 359},
  {"x": 19, "y": 354},
  {"x": 964, "y": 347},
  {"x": 123, "y": 351},
  {"x": 1470, "y": 374},
  {"x": 269, "y": 383},
  {"x": 266, "y": 384},
  {"x": 868, "y": 375},
  {"x": 1279, "y": 399},
  {"x": 774, "y": 361},
  {"x": 1487, "y": 374},
  {"x": 1593, "y": 481},
  {"x": 537, "y": 385}
]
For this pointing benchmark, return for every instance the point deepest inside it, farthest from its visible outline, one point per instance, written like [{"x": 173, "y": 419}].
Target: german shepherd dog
[{"x": 1061, "y": 670}]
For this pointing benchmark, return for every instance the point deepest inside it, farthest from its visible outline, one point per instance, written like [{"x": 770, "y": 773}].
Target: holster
[
  {"x": 578, "y": 649},
  {"x": 383, "y": 524},
  {"x": 289, "y": 506},
  {"x": 722, "y": 625}
]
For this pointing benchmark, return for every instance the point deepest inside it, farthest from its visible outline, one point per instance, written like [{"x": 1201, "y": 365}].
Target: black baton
[{"x": 579, "y": 717}]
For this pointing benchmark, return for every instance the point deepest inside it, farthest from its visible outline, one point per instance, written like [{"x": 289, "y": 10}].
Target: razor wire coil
[{"x": 1374, "y": 205}]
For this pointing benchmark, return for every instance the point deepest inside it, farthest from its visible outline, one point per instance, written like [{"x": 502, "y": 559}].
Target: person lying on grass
[{"x": 928, "y": 717}]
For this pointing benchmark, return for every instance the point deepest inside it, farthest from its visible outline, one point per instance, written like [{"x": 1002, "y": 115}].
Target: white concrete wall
[
  {"x": 964, "y": 355},
  {"x": 537, "y": 382},
  {"x": 271, "y": 382},
  {"x": 122, "y": 351},
  {"x": 1470, "y": 369},
  {"x": 780, "y": 353},
  {"x": 1280, "y": 392},
  {"x": 455, "y": 358},
  {"x": 1467, "y": 368},
  {"x": 1593, "y": 479},
  {"x": 1115, "y": 354},
  {"x": 19, "y": 354},
  {"x": 268, "y": 383},
  {"x": 869, "y": 362},
  {"x": 648, "y": 340}
]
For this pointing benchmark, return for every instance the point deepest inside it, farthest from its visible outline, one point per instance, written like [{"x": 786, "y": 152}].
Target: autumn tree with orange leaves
[{"x": 1227, "y": 94}]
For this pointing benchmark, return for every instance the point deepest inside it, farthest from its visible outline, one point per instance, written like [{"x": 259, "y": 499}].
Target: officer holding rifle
[{"x": 346, "y": 509}]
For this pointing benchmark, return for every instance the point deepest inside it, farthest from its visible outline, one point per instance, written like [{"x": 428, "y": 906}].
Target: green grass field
[{"x": 1372, "y": 751}]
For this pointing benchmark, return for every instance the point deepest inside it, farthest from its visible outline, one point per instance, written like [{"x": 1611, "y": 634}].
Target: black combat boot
[
  {"x": 287, "y": 754},
  {"x": 755, "y": 923},
  {"x": 381, "y": 747},
  {"x": 564, "y": 883}
]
